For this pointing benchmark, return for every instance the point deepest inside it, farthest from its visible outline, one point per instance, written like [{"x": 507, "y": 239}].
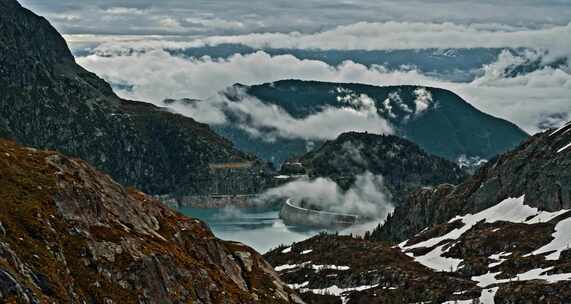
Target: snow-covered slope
[
  {"x": 509, "y": 242},
  {"x": 502, "y": 236}
]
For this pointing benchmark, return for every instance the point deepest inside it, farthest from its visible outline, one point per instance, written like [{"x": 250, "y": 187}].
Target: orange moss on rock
[{"x": 71, "y": 234}]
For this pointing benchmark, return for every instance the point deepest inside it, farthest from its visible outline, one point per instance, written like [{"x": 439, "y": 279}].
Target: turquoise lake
[{"x": 259, "y": 228}]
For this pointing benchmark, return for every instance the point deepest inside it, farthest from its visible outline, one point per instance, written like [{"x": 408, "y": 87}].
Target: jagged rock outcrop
[
  {"x": 70, "y": 234},
  {"x": 538, "y": 169},
  {"x": 48, "y": 101}
]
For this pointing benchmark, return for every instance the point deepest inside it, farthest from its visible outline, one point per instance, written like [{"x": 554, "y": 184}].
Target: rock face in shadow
[
  {"x": 48, "y": 101},
  {"x": 403, "y": 164},
  {"x": 70, "y": 234},
  {"x": 538, "y": 169}
]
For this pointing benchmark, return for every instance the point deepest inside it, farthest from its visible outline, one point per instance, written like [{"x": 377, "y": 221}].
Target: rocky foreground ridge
[
  {"x": 502, "y": 236},
  {"x": 48, "y": 101},
  {"x": 70, "y": 234}
]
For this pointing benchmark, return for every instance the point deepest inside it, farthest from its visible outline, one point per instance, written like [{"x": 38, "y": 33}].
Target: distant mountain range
[
  {"x": 439, "y": 121},
  {"x": 458, "y": 65}
]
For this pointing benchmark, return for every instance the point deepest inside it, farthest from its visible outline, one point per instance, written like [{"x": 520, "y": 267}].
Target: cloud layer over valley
[
  {"x": 531, "y": 99},
  {"x": 358, "y": 113}
]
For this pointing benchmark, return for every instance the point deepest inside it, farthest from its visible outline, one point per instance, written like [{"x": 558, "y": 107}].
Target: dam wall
[
  {"x": 211, "y": 201},
  {"x": 292, "y": 214}
]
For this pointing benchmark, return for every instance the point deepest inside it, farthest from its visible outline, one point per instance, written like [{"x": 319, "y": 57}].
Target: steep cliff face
[
  {"x": 48, "y": 101},
  {"x": 70, "y": 234},
  {"x": 538, "y": 170}
]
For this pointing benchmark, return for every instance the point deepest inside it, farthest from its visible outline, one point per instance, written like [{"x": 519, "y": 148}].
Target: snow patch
[
  {"x": 560, "y": 129},
  {"x": 510, "y": 210},
  {"x": 298, "y": 286},
  {"x": 329, "y": 267},
  {"x": 436, "y": 261},
  {"x": 307, "y": 251},
  {"x": 561, "y": 241},
  {"x": 489, "y": 278},
  {"x": 336, "y": 291},
  {"x": 564, "y": 148},
  {"x": 290, "y": 266},
  {"x": 486, "y": 297},
  {"x": 499, "y": 258}
]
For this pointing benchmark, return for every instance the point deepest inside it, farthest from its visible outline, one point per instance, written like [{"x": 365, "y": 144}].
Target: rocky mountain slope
[
  {"x": 439, "y": 121},
  {"x": 403, "y": 165},
  {"x": 48, "y": 101},
  {"x": 502, "y": 236},
  {"x": 538, "y": 170},
  {"x": 70, "y": 234}
]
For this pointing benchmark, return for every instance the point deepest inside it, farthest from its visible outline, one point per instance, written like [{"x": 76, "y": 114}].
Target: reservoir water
[{"x": 261, "y": 229}]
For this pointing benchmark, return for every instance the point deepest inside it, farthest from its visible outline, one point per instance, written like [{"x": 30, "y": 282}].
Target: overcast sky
[{"x": 223, "y": 17}]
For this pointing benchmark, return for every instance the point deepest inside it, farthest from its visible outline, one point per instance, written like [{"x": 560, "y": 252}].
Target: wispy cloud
[{"x": 269, "y": 122}]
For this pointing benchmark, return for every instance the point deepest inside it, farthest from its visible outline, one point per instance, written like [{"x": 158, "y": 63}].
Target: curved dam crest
[{"x": 293, "y": 214}]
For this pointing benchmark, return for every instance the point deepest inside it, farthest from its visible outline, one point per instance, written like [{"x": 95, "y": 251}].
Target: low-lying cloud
[
  {"x": 356, "y": 113},
  {"x": 366, "y": 197}
]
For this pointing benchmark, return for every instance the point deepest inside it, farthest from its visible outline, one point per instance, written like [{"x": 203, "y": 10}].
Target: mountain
[
  {"x": 403, "y": 165},
  {"x": 501, "y": 236},
  {"x": 70, "y": 234},
  {"x": 450, "y": 64},
  {"x": 538, "y": 169},
  {"x": 48, "y": 101},
  {"x": 439, "y": 121}
]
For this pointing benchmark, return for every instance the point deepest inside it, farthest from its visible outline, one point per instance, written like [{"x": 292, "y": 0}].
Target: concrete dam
[{"x": 292, "y": 213}]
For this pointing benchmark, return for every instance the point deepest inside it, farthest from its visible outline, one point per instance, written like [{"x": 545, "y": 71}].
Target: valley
[{"x": 277, "y": 189}]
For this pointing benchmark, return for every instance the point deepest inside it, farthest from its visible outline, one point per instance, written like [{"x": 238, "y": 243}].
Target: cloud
[
  {"x": 156, "y": 75},
  {"x": 269, "y": 121},
  {"x": 410, "y": 35},
  {"x": 525, "y": 99},
  {"x": 423, "y": 100},
  {"x": 366, "y": 197},
  {"x": 371, "y": 36},
  {"x": 310, "y": 16}
]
